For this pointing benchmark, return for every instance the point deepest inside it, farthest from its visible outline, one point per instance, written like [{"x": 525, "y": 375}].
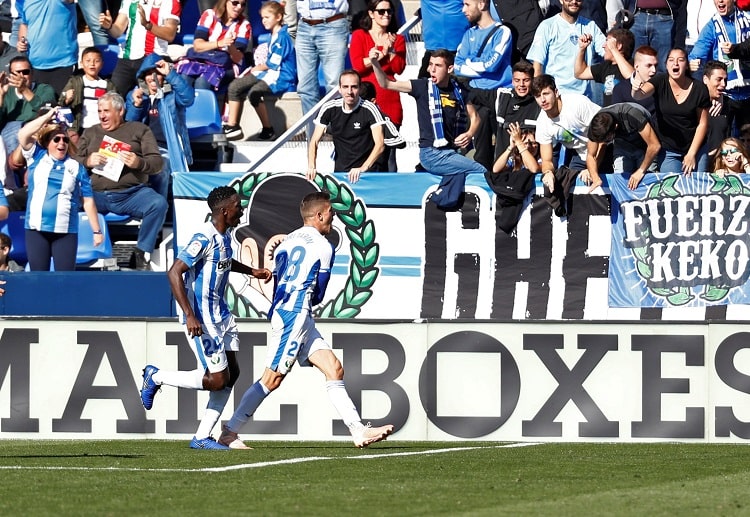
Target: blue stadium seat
[
  {"x": 112, "y": 217},
  {"x": 88, "y": 254},
  {"x": 109, "y": 55},
  {"x": 203, "y": 118},
  {"x": 14, "y": 227}
]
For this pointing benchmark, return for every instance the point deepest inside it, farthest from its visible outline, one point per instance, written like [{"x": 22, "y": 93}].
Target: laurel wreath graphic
[
  {"x": 364, "y": 250},
  {"x": 728, "y": 185}
]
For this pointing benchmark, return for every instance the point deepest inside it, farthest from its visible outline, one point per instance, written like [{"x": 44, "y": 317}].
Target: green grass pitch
[{"x": 394, "y": 478}]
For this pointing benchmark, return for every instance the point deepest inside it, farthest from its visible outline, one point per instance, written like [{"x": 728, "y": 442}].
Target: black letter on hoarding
[
  {"x": 570, "y": 385},
  {"x": 654, "y": 385},
  {"x": 356, "y": 382},
  {"x": 461, "y": 426},
  {"x": 187, "y": 400},
  {"x": 726, "y": 422},
  {"x": 16, "y": 346},
  {"x": 535, "y": 270},
  {"x": 578, "y": 265},
  {"x": 288, "y": 420},
  {"x": 435, "y": 230},
  {"x": 101, "y": 344}
]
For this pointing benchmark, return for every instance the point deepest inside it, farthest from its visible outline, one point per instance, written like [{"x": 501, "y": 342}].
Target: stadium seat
[
  {"x": 14, "y": 227},
  {"x": 91, "y": 256},
  {"x": 203, "y": 118},
  {"x": 109, "y": 56}
]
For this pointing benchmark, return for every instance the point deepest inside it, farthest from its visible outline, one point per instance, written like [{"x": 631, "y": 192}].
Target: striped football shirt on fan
[{"x": 139, "y": 42}]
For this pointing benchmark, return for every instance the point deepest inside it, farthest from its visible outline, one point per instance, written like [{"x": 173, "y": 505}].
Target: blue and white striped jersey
[
  {"x": 55, "y": 191},
  {"x": 303, "y": 263},
  {"x": 209, "y": 257}
]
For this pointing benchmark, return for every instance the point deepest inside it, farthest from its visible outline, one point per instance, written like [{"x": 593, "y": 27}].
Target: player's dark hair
[
  {"x": 351, "y": 71},
  {"x": 312, "y": 201},
  {"x": 602, "y": 127},
  {"x": 92, "y": 50},
  {"x": 626, "y": 39},
  {"x": 218, "y": 196},
  {"x": 524, "y": 67},
  {"x": 712, "y": 65},
  {"x": 5, "y": 241},
  {"x": 367, "y": 91},
  {"x": 447, "y": 55},
  {"x": 541, "y": 82}
]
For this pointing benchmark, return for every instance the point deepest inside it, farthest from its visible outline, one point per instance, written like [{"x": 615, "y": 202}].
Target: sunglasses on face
[
  {"x": 241, "y": 4},
  {"x": 384, "y": 12},
  {"x": 59, "y": 138},
  {"x": 733, "y": 150},
  {"x": 25, "y": 71}
]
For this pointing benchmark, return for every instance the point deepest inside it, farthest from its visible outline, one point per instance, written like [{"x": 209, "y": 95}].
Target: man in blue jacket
[{"x": 160, "y": 101}]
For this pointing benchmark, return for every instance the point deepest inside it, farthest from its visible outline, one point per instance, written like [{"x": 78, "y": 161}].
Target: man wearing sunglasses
[{"x": 20, "y": 99}]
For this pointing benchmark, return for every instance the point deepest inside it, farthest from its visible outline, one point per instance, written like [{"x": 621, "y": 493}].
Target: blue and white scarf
[
  {"x": 736, "y": 76},
  {"x": 436, "y": 112}
]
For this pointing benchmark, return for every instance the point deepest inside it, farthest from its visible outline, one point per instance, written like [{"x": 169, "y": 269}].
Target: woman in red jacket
[{"x": 378, "y": 30}]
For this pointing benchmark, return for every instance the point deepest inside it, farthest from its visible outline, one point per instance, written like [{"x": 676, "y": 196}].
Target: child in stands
[
  {"x": 274, "y": 77},
  {"x": 82, "y": 91},
  {"x": 6, "y": 264}
]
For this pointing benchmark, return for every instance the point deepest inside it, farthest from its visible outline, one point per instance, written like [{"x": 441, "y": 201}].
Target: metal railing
[{"x": 408, "y": 30}]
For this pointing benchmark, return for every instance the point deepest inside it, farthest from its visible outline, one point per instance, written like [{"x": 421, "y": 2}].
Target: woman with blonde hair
[{"x": 731, "y": 158}]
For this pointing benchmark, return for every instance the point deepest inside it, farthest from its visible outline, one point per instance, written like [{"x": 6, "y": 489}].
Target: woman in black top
[{"x": 681, "y": 113}]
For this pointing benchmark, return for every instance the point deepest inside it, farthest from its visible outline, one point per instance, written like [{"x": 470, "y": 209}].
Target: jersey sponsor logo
[{"x": 193, "y": 248}]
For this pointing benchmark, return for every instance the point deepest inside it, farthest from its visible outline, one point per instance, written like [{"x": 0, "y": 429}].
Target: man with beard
[{"x": 556, "y": 45}]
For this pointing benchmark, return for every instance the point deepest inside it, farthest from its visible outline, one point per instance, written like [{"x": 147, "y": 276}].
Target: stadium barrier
[{"x": 570, "y": 381}]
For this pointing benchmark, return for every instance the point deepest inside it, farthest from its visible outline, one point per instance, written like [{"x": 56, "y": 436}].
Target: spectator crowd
[{"x": 506, "y": 88}]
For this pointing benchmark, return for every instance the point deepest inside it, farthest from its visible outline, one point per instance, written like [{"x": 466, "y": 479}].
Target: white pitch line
[{"x": 262, "y": 464}]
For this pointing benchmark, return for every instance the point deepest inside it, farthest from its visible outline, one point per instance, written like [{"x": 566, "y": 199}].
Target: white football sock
[
  {"x": 192, "y": 379},
  {"x": 343, "y": 404},
  {"x": 216, "y": 402}
]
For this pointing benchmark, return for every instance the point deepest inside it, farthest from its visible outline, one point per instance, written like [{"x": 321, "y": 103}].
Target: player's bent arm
[
  {"x": 387, "y": 83},
  {"x": 320, "y": 287},
  {"x": 177, "y": 285},
  {"x": 653, "y": 146},
  {"x": 312, "y": 147},
  {"x": 580, "y": 69},
  {"x": 261, "y": 273},
  {"x": 593, "y": 156},
  {"x": 545, "y": 152},
  {"x": 378, "y": 148}
]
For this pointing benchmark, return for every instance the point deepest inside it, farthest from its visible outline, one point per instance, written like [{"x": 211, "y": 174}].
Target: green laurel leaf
[
  {"x": 641, "y": 254},
  {"x": 346, "y": 196},
  {"x": 680, "y": 298},
  {"x": 372, "y": 255},
  {"x": 735, "y": 185},
  {"x": 662, "y": 291},
  {"x": 368, "y": 232},
  {"x": 359, "y": 212},
  {"x": 355, "y": 238},
  {"x": 349, "y": 312},
  {"x": 347, "y": 219},
  {"x": 714, "y": 293},
  {"x": 643, "y": 269},
  {"x": 360, "y": 298}
]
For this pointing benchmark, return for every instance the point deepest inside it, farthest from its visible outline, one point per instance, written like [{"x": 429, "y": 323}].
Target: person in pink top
[{"x": 378, "y": 31}]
